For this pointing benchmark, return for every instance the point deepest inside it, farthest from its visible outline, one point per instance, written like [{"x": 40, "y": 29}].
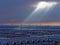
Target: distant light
[{"x": 42, "y": 5}]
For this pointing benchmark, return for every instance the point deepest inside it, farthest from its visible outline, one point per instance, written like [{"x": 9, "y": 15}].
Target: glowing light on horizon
[{"x": 42, "y": 6}]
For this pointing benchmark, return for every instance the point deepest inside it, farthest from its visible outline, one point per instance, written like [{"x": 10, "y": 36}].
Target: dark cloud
[{"x": 19, "y": 10}]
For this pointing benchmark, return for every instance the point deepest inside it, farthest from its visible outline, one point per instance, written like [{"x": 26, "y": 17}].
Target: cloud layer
[{"x": 19, "y": 10}]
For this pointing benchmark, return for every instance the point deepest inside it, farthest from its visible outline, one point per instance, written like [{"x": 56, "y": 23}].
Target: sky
[{"x": 20, "y": 10}]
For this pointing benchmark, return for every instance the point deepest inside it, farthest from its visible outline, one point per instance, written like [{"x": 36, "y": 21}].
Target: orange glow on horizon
[{"x": 32, "y": 23}]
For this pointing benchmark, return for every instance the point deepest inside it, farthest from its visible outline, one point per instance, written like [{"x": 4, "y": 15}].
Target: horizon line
[{"x": 33, "y": 23}]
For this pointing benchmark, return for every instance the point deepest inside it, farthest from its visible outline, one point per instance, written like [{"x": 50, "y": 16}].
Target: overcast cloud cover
[{"x": 19, "y": 10}]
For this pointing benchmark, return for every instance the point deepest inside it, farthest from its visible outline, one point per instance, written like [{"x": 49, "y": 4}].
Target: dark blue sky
[{"x": 19, "y": 10}]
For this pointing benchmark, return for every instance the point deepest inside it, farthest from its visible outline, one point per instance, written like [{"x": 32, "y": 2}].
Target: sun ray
[{"x": 41, "y": 6}]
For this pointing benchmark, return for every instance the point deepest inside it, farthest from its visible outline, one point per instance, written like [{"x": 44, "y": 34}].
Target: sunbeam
[{"x": 40, "y": 7}]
